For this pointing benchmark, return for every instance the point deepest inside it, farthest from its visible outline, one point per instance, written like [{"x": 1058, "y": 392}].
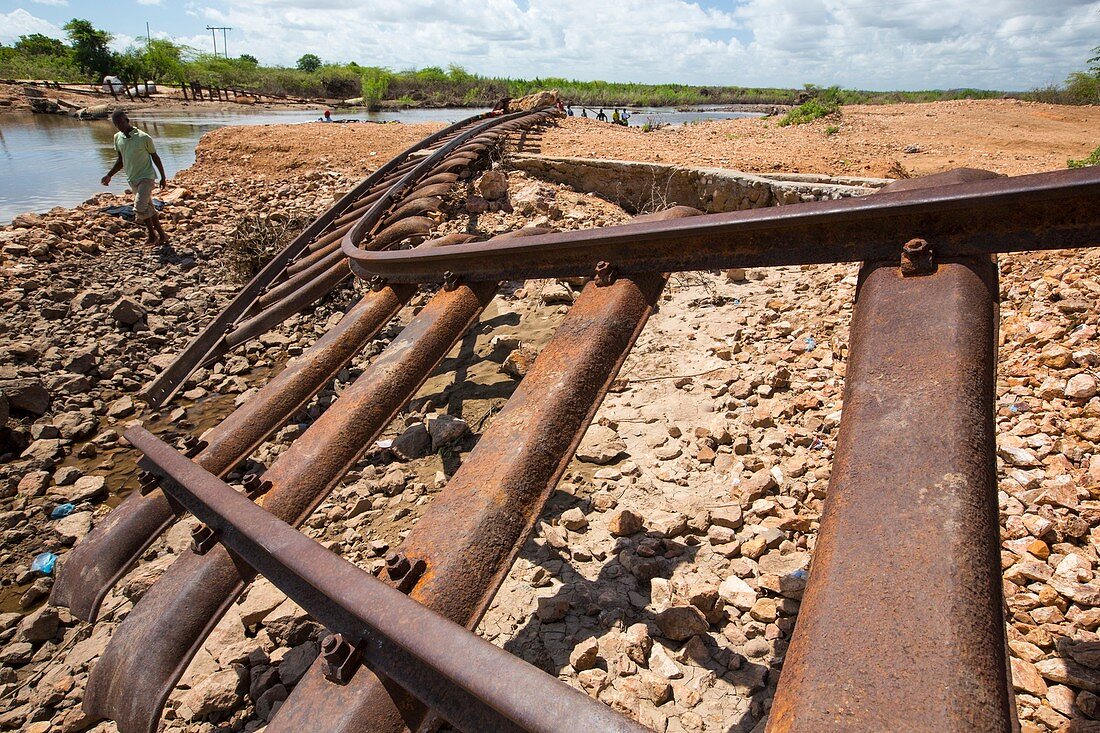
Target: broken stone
[
  {"x": 680, "y": 623},
  {"x": 601, "y": 445}
]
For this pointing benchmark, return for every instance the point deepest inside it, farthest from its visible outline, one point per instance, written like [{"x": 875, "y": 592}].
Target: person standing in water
[
  {"x": 602, "y": 116},
  {"x": 137, "y": 156}
]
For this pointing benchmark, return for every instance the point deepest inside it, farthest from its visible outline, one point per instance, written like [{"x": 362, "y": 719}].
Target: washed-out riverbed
[{"x": 48, "y": 161}]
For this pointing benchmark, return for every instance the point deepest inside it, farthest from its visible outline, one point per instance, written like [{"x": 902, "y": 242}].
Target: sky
[{"x": 1013, "y": 45}]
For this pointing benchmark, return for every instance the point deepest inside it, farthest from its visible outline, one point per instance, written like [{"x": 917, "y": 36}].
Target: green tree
[
  {"x": 376, "y": 82},
  {"x": 249, "y": 59},
  {"x": 90, "y": 51},
  {"x": 37, "y": 44},
  {"x": 309, "y": 62},
  {"x": 1094, "y": 62},
  {"x": 164, "y": 60}
]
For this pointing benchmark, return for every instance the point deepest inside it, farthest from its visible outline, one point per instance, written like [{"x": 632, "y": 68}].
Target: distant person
[
  {"x": 328, "y": 116},
  {"x": 615, "y": 118},
  {"x": 137, "y": 156},
  {"x": 625, "y": 119},
  {"x": 601, "y": 116},
  {"x": 584, "y": 112},
  {"x": 569, "y": 111}
]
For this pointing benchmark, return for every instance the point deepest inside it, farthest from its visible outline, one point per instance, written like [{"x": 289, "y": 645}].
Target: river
[{"x": 52, "y": 160}]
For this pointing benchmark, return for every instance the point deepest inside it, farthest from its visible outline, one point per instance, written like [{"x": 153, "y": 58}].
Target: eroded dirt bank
[{"x": 665, "y": 575}]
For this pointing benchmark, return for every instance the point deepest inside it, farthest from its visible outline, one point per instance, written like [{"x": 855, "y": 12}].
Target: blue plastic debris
[
  {"x": 62, "y": 510},
  {"x": 43, "y": 563},
  {"x": 811, "y": 343}
]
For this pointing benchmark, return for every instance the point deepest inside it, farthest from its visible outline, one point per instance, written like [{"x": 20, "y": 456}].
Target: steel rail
[
  {"x": 980, "y": 217},
  {"x": 306, "y": 287},
  {"x": 363, "y": 226},
  {"x": 154, "y": 644},
  {"x": 441, "y": 663},
  {"x": 208, "y": 343},
  {"x": 901, "y": 626},
  {"x": 470, "y": 533},
  {"x": 99, "y": 560}
]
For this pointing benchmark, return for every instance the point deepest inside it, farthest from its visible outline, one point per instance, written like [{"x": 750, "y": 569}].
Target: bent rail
[{"x": 961, "y": 219}]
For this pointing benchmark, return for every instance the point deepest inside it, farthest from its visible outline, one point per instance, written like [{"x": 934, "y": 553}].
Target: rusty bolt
[
  {"x": 450, "y": 280},
  {"x": 403, "y": 571},
  {"x": 147, "y": 481},
  {"x": 376, "y": 282},
  {"x": 605, "y": 273},
  {"x": 397, "y": 565},
  {"x": 254, "y": 486},
  {"x": 916, "y": 258},
  {"x": 339, "y": 659},
  {"x": 203, "y": 537}
]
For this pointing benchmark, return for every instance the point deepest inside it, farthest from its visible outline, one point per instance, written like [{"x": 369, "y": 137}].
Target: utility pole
[
  {"x": 213, "y": 34},
  {"x": 148, "y": 35}
]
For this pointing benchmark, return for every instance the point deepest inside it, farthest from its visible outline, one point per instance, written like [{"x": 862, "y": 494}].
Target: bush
[
  {"x": 37, "y": 44},
  {"x": 254, "y": 242},
  {"x": 340, "y": 82},
  {"x": 827, "y": 102},
  {"x": 1093, "y": 159},
  {"x": 15, "y": 64},
  {"x": 1079, "y": 88},
  {"x": 375, "y": 83}
]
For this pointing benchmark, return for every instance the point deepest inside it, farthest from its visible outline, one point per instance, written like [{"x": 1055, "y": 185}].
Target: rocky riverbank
[{"x": 664, "y": 577}]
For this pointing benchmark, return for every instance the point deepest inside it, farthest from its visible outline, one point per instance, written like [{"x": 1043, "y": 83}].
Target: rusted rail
[
  {"x": 245, "y": 316},
  {"x": 912, "y": 493},
  {"x": 963, "y": 219},
  {"x": 441, "y": 663}
]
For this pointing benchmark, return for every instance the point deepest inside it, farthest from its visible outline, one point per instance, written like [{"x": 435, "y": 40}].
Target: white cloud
[
  {"x": 1009, "y": 44},
  {"x": 61, "y": 3},
  {"x": 911, "y": 44},
  {"x": 150, "y": 2},
  {"x": 21, "y": 23}
]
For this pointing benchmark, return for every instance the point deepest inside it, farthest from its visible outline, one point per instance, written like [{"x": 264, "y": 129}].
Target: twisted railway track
[{"x": 911, "y": 504}]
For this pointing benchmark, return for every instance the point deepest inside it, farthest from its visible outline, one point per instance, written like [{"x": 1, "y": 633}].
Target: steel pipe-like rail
[
  {"x": 439, "y": 662},
  {"x": 1034, "y": 212}
]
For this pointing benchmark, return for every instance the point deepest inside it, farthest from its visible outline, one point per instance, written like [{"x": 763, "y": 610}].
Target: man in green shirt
[{"x": 137, "y": 156}]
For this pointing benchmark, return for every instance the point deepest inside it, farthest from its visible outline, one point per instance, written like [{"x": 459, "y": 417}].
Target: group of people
[{"x": 617, "y": 117}]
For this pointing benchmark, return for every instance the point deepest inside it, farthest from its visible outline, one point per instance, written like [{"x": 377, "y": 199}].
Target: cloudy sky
[{"x": 868, "y": 44}]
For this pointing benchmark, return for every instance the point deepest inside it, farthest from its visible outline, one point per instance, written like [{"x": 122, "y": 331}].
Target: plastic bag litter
[
  {"x": 44, "y": 563},
  {"x": 62, "y": 510}
]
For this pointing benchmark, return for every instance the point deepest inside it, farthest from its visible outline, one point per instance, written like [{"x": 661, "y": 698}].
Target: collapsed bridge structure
[{"x": 912, "y": 495}]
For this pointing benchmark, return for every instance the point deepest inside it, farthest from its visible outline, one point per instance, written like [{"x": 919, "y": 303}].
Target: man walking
[{"x": 137, "y": 156}]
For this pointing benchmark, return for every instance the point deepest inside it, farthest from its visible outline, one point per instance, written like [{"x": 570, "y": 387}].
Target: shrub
[
  {"x": 254, "y": 241},
  {"x": 375, "y": 83},
  {"x": 1092, "y": 159},
  {"x": 827, "y": 102},
  {"x": 340, "y": 82}
]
